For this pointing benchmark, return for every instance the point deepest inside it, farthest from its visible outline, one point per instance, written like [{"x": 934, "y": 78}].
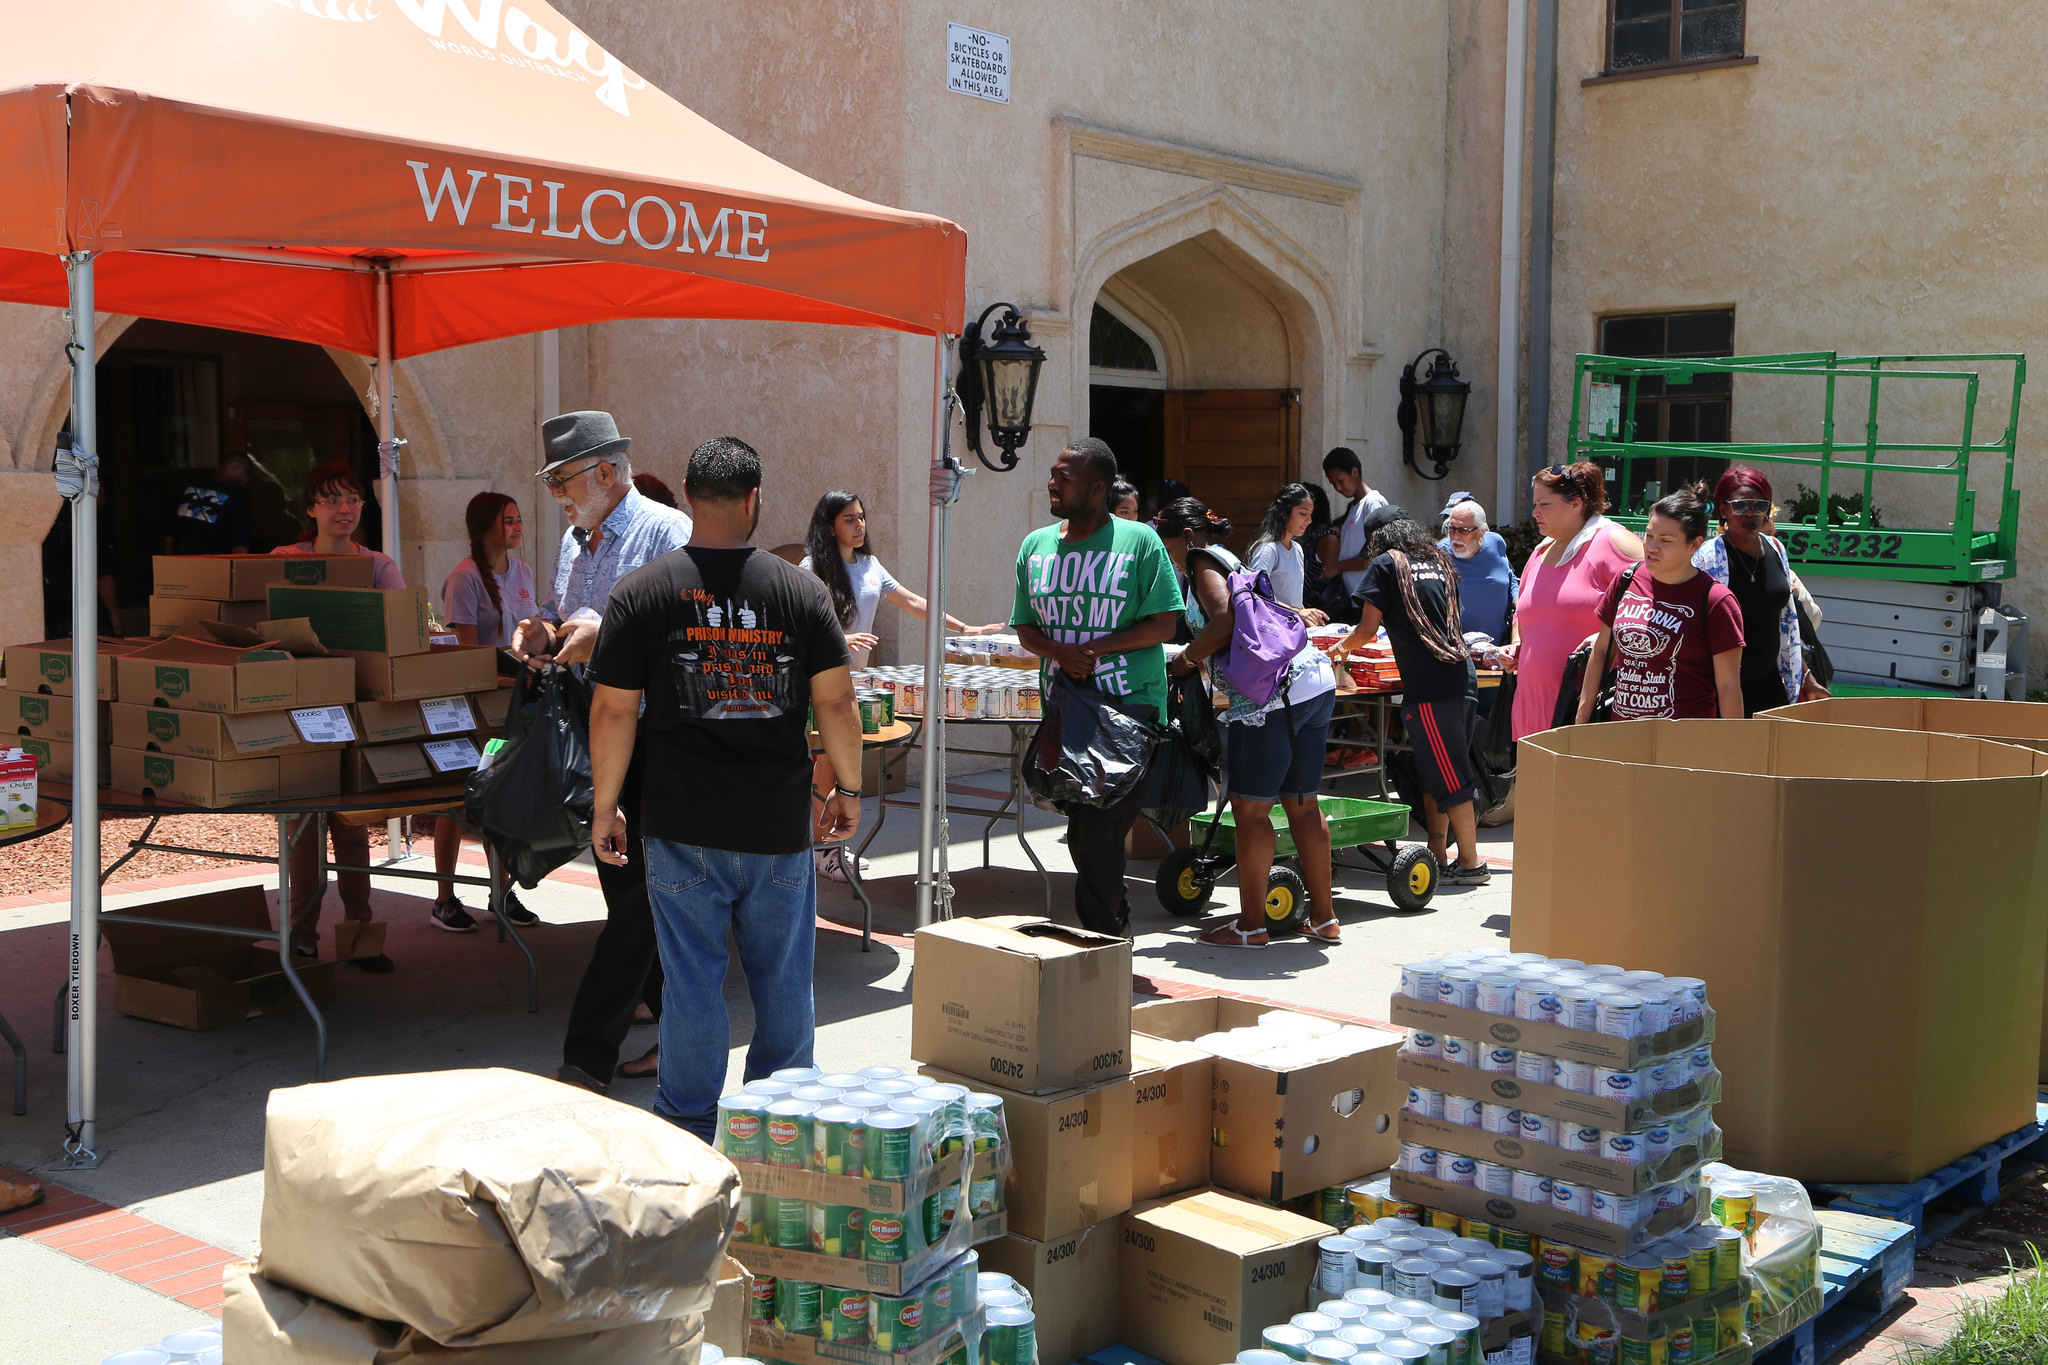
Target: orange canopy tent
[{"x": 389, "y": 177}]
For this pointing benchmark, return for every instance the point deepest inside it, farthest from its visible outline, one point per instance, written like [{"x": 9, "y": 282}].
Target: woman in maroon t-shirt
[{"x": 1675, "y": 634}]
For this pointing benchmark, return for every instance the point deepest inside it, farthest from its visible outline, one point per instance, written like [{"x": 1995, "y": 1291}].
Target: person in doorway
[
  {"x": 1411, "y": 588},
  {"x": 1342, "y": 550},
  {"x": 1278, "y": 550},
  {"x": 613, "y": 530},
  {"x": 839, "y": 556},
  {"x": 1273, "y": 750},
  {"x": 1096, "y": 599},
  {"x": 484, "y": 600},
  {"x": 57, "y": 578},
  {"x": 334, "y": 500},
  {"x": 214, "y": 516},
  {"x": 727, "y": 647},
  {"x": 1567, "y": 577},
  {"x": 1486, "y": 584},
  {"x": 1163, "y": 492},
  {"x": 1749, "y": 561},
  {"x": 1123, "y": 500},
  {"x": 1675, "y": 634}
]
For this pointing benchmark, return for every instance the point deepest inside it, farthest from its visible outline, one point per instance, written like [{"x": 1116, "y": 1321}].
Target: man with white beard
[
  {"x": 1486, "y": 585},
  {"x": 613, "y": 530}
]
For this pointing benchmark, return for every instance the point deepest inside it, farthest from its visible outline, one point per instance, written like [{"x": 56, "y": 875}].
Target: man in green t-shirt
[{"x": 1096, "y": 599}]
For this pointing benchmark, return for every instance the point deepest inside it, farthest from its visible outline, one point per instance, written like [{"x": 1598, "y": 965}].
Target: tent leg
[
  {"x": 395, "y": 846},
  {"x": 931, "y": 787},
  {"x": 78, "y": 481}
]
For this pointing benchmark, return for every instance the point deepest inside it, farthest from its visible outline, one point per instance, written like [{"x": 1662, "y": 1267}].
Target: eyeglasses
[
  {"x": 1750, "y": 507},
  {"x": 1458, "y": 530},
  {"x": 345, "y": 500},
  {"x": 557, "y": 482}
]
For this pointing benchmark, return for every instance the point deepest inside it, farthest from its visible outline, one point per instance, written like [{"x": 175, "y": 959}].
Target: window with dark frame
[
  {"x": 1646, "y": 35},
  {"x": 1694, "y": 412}
]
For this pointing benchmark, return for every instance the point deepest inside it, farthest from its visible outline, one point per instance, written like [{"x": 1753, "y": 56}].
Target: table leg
[
  {"x": 1020, "y": 745},
  {"x": 506, "y": 927},
  {"x": 849, "y": 863},
  {"x": 57, "y": 1029},
  {"x": 287, "y": 928},
  {"x": 20, "y": 1065},
  {"x": 882, "y": 796}
]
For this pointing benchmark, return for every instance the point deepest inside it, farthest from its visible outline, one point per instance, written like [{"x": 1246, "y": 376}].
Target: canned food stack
[
  {"x": 939, "y": 1321},
  {"x": 1571, "y": 1101},
  {"x": 862, "y": 1179},
  {"x": 966, "y": 691},
  {"x": 1000, "y": 646},
  {"x": 1771, "y": 1219}
]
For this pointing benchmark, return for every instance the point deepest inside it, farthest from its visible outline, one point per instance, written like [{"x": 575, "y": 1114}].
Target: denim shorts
[{"x": 1279, "y": 758}]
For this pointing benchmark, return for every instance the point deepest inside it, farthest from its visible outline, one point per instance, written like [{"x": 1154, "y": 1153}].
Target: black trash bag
[
  {"x": 534, "y": 802},
  {"x": 1493, "y": 738},
  {"x": 1086, "y": 751},
  {"x": 1180, "y": 780}
]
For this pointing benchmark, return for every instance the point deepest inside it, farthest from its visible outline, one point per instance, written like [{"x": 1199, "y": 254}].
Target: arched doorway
[
  {"x": 173, "y": 400},
  {"x": 1199, "y": 359}
]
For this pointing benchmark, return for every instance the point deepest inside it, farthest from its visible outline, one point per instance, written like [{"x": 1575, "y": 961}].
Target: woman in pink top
[
  {"x": 1563, "y": 585},
  {"x": 334, "y": 504}
]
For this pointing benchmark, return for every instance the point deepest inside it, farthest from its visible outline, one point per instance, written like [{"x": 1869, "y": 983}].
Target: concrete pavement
[{"x": 181, "y": 1113}]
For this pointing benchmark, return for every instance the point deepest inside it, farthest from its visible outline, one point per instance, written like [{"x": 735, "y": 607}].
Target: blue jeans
[{"x": 768, "y": 904}]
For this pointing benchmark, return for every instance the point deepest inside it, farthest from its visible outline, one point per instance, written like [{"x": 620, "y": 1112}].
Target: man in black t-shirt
[
  {"x": 727, "y": 647},
  {"x": 214, "y": 516},
  {"x": 1411, "y": 588}
]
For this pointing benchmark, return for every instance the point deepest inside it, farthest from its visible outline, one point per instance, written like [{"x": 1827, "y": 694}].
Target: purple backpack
[{"x": 1265, "y": 636}]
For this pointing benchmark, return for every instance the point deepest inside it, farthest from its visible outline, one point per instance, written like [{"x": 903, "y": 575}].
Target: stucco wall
[{"x": 1864, "y": 189}]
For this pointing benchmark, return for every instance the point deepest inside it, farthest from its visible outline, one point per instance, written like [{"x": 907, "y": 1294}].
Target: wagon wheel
[
  {"x": 1183, "y": 883},
  {"x": 1286, "y": 902},
  {"x": 1412, "y": 879}
]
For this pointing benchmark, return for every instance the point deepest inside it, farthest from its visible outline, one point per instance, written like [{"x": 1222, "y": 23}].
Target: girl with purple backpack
[{"x": 1274, "y": 738}]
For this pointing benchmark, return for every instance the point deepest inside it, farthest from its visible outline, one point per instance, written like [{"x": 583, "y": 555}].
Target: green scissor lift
[{"x": 1840, "y": 453}]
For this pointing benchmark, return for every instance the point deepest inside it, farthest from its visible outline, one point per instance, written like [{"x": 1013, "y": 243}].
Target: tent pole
[
  {"x": 932, "y": 784},
  {"x": 78, "y": 481},
  {"x": 387, "y": 482}
]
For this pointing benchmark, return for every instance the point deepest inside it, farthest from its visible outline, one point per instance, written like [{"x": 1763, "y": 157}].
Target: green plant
[
  {"x": 2011, "y": 1329},
  {"x": 1843, "y": 508}
]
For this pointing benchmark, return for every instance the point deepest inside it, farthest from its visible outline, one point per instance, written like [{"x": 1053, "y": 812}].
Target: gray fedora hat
[{"x": 580, "y": 436}]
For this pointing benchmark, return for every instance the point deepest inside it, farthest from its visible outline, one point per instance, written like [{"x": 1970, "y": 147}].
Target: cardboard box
[
  {"x": 193, "y": 675},
  {"x": 54, "y": 758},
  {"x": 1170, "y": 1085},
  {"x": 1074, "y": 1282},
  {"x": 1203, "y": 1273},
  {"x": 243, "y": 578},
  {"x": 381, "y": 620},
  {"x": 18, "y": 788},
  {"x": 385, "y": 767},
  {"x": 1598, "y": 1111},
  {"x": 205, "y": 734},
  {"x": 45, "y": 666},
  {"x": 386, "y": 722},
  {"x": 43, "y": 715},
  {"x": 200, "y": 981},
  {"x": 440, "y": 672},
  {"x": 1595, "y": 1171},
  {"x": 230, "y": 782},
  {"x": 726, "y": 1322},
  {"x": 2008, "y": 722},
  {"x": 1879, "y": 1011},
  {"x": 1278, "y": 1135},
  {"x": 171, "y": 615},
  {"x": 1070, "y": 1156},
  {"x": 1552, "y": 1040},
  {"x": 1022, "y": 1002},
  {"x": 1542, "y": 1220},
  {"x": 264, "y": 1322}
]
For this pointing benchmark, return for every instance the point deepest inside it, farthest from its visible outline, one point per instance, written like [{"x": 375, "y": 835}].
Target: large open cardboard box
[
  {"x": 197, "y": 980},
  {"x": 1869, "y": 910}
]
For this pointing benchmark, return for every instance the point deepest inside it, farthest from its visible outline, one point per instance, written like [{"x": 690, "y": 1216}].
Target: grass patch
[{"x": 2011, "y": 1329}]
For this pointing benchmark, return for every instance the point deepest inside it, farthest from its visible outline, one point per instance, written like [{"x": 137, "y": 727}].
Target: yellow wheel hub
[
  {"x": 1421, "y": 876},
  {"x": 1279, "y": 903},
  {"x": 1190, "y": 889}
]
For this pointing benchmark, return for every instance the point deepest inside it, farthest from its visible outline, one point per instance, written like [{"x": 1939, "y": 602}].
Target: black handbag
[
  {"x": 1817, "y": 661},
  {"x": 534, "y": 803},
  {"x": 1566, "y": 712}
]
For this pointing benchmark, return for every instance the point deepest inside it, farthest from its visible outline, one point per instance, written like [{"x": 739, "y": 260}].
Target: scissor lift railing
[{"x": 1604, "y": 393}]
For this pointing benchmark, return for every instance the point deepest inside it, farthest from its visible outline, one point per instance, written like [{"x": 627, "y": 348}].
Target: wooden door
[{"x": 1234, "y": 449}]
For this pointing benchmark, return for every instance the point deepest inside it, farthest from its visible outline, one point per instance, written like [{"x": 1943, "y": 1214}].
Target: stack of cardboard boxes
[
  {"x": 36, "y": 706},
  {"x": 1119, "y": 1125}
]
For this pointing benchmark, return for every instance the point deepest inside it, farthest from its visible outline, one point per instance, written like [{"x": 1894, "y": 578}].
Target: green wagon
[{"x": 1187, "y": 875}]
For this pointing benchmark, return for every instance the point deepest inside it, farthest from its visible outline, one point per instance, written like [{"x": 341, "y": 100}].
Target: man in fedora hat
[{"x": 613, "y": 530}]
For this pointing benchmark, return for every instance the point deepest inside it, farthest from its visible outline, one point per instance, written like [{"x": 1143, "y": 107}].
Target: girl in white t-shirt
[
  {"x": 858, "y": 583},
  {"x": 486, "y": 598}
]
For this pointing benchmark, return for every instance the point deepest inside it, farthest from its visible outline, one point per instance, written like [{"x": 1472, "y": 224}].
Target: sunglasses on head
[{"x": 1566, "y": 478}]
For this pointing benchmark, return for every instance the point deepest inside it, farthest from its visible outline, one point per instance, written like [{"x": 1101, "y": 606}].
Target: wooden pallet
[
  {"x": 1866, "y": 1264},
  {"x": 1942, "y": 1202}
]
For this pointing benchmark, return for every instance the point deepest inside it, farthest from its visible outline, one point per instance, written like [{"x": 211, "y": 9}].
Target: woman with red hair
[{"x": 1753, "y": 565}]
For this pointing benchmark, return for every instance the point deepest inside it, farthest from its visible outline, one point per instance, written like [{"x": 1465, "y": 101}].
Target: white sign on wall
[{"x": 977, "y": 63}]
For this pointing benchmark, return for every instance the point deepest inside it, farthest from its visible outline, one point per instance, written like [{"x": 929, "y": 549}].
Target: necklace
[{"x": 1752, "y": 572}]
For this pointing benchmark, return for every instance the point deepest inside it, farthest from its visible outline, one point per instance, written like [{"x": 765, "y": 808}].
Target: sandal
[
  {"x": 1230, "y": 936},
  {"x": 16, "y": 1195},
  {"x": 1329, "y": 931},
  {"x": 643, "y": 1066}
]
